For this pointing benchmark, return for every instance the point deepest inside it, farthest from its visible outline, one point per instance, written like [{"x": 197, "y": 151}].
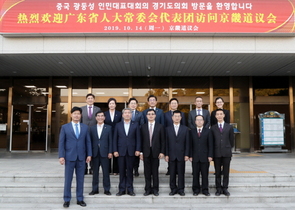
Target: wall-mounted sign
[{"x": 146, "y": 16}]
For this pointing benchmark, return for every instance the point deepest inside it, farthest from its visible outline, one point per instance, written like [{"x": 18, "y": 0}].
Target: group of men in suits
[{"x": 150, "y": 136}]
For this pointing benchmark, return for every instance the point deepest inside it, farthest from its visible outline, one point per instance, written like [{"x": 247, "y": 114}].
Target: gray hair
[{"x": 125, "y": 109}]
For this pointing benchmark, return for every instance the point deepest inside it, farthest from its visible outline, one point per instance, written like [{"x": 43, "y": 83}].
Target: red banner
[{"x": 146, "y": 16}]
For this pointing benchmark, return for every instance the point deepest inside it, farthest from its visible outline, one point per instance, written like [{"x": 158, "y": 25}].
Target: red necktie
[{"x": 199, "y": 133}]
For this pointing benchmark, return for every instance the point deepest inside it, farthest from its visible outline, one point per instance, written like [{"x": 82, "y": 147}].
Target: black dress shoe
[
  {"x": 120, "y": 193},
  {"x": 172, "y": 193},
  {"x": 136, "y": 174},
  {"x": 146, "y": 193},
  {"x": 206, "y": 193},
  {"x": 93, "y": 192},
  {"x": 168, "y": 173},
  {"x": 156, "y": 193},
  {"x": 181, "y": 193},
  {"x": 81, "y": 203},
  {"x": 218, "y": 193},
  {"x": 107, "y": 193},
  {"x": 131, "y": 193},
  {"x": 226, "y": 193},
  {"x": 196, "y": 193},
  {"x": 66, "y": 204}
]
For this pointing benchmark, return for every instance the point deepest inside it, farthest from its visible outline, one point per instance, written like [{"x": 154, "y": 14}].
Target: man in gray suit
[
  {"x": 88, "y": 118},
  {"x": 198, "y": 111},
  {"x": 88, "y": 111}
]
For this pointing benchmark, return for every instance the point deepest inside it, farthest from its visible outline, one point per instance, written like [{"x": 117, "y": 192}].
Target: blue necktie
[{"x": 76, "y": 130}]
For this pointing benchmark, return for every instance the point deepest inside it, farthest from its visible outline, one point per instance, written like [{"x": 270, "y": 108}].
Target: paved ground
[{"x": 47, "y": 163}]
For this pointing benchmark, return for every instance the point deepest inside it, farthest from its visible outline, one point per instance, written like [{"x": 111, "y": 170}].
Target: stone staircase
[{"x": 248, "y": 191}]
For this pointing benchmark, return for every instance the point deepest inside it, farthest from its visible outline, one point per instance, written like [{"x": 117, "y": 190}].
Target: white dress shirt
[{"x": 99, "y": 129}]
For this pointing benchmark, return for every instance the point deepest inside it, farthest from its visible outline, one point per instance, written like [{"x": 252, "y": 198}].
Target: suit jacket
[
  {"x": 117, "y": 118},
  {"x": 192, "y": 115},
  {"x": 72, "y": 148},
  {"x": 201, "y": 147},
  {"x": 169, "y": 121},
  {"x": 129, "y": 143},
  {"x": 104, "y": 144},
  {"x": 159, "y": 116},
  {"x": 177, "y": 146},
  {"x": 223, "y": 141},
  {"x": 158, "y": 140},
  {"x": 138, "y": 117},
  {"x": 226, "y": 117},
  {"x": 85, "y": 119}
]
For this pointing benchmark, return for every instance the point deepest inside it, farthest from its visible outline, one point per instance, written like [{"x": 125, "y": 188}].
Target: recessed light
[
  {"x": 14, "y": 72},
  {"x": 30, "y": 86},
  {"x": 38, "y": 111},
  {"x": 200, "y": 92},
  {"x": 75, "y": 93},
  {"x": 129, "y": 72},
  {"x": 126, "y": 62},
  {"x": 227, "y": 72},
  {"x": 61, "y": 86},
  {"x": 71, "y": 72},
  {"x": 2, "y": 90},
  {"x": 183, "y": 62},
  {"x": 178, "y": 72},
  {"x": 100, "y": 93},
  {"x": 239, "y": 62},
  {"x": 174, "y": 92},
  {"x": 60, "y": 62},
  {"x": 125, "y": 93}
]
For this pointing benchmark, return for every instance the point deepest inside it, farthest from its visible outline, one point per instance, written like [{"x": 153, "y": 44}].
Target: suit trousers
[
  {"x": 104, "y": 163},
  {"x": 151, "y": 169},
  {"x": 225, "y": 163},
  {"x": 178, "y": 167},
  {"x": 79, "y": 167},
  {"x": 126, "y": 173},
  {"x": 136, "y": 163},
  {"x": 203, "y": 169},
  {"x": 113, "y": 167}
]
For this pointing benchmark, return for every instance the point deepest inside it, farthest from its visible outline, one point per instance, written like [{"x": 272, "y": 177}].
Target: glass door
[{"x": 29, "y": 128}]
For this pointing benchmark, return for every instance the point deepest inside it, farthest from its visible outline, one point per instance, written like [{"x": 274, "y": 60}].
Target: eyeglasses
[{"x": 150, "y": 114}]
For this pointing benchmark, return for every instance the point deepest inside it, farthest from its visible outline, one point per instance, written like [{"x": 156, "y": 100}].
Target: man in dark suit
[
  {"x": 153, "y": 149},
  {"x": 136, "y": 117},
  {"x": 88, "y": 111},
  {"x": 126, "y": 145},
  {"x": 201, "y": 155},
  {"x": 223, "y": 139},
  {"x": 74, "y": 148},
  {"x": 173, "y": 103},
  {"x": 177, "y": 152},
  {"x": 152, "y": 102},
  {"x": 198, "y": 111},
  {"x": 102, "y": 149},
  {"x": 88, "y": 118}
]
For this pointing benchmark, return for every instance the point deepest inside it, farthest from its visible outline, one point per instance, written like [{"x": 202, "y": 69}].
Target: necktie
[
  {"x": 176, "y": 129},
  {"x": 199, "y": 133},
  {"x": 89, "y": 112},
  {"x": 76, "y": 130},
  {"x": 199, "y": 112},
  {"x": 220, "y": 127},
  {"x": 151, "y": 133},
  {"x": 133, "y": 115}
]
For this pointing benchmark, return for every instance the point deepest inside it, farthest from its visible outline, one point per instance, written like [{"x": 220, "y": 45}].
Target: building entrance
[{"x": 29, "y": 128}]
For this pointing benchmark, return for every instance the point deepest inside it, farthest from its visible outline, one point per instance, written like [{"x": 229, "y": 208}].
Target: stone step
[
  {"x": 249, "y": 178},
  {"x": 153, "y": 206},
  {"x": 237, "y": 197},
  {"x": 164, "y": 188}
]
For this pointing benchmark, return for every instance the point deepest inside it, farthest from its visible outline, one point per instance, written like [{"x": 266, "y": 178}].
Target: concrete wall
[{"x": 11, "y": 45}]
